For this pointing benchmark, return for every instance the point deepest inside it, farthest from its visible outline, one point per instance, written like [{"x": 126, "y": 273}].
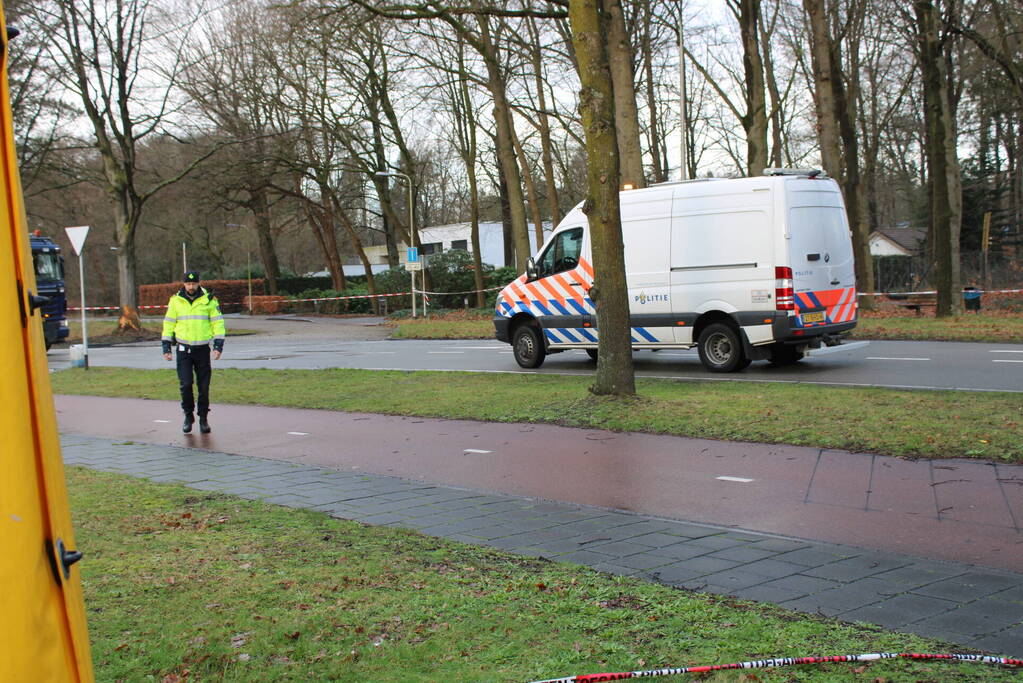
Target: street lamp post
[
  {"x": 412, "y": 231},
  {"x": 248, "y": 261}
]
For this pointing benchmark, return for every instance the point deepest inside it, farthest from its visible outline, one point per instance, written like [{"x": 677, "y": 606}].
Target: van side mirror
[{"x": 530, "y": 269}]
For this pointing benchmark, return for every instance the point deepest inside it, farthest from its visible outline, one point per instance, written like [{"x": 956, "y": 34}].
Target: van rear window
[{"x": 819, "y": 229}]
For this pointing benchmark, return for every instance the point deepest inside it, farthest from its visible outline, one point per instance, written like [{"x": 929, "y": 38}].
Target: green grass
[
  {"x": 965, "y": 328},
  {"x": 930, "y": 424},
  {"x": 430, "y": 328},
  {"x": 986, "y": 327},
  {"x": 187, "y": 585}
]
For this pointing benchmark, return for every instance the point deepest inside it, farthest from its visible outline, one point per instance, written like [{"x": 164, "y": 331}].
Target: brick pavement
[{"x": 960, "y": 603}]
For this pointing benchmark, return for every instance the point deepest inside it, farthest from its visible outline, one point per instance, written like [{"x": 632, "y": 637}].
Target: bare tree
[
  {"x": 602, "y": 206},
  {"x": 100, "y": 52},
  {"x": 836, "y": 120},
  {"x": 944, "y": 176}
]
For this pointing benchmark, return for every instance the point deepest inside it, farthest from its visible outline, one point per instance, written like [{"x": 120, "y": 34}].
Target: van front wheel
[
  {"x": 720, "y": 348},
  {"x": 527, "y": 346}
]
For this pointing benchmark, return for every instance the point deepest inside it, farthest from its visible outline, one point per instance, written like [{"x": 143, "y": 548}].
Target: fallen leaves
[{"x": 239, "y": 639}]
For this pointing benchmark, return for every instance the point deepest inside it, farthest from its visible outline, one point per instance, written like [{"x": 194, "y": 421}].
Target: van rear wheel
[
  {"x": 720, "y": 348},
  {"x": 527, "y": 346},
  {"x": 592, "y": 353}
]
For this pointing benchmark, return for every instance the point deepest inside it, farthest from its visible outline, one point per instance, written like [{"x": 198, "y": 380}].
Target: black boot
[
  {"x": 187, "y": 426},
  {"x": 204, "y": 426}
]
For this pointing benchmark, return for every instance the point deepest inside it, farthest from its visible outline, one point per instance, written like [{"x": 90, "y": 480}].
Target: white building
[
  {"x": 441, "y": 238},
  {"x": 897, "y": 241}
]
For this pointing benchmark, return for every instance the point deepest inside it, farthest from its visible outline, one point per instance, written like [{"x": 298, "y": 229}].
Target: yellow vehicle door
[{"x": 43, "y": 632}]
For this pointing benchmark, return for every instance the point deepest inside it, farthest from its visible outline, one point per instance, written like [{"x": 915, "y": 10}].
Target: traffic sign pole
[
  {"x": 77, "y": 237},
  {"x": 412, "y": 264}
]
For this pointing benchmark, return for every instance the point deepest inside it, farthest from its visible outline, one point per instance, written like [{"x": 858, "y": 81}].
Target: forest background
[{"x": 260, "y": 129}]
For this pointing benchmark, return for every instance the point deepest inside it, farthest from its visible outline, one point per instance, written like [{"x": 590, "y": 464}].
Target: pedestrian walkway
[{"x": 961, "y": 603}]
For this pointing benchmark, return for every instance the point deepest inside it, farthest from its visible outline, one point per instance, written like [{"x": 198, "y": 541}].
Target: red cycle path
[{"x": 958, "y": 510}]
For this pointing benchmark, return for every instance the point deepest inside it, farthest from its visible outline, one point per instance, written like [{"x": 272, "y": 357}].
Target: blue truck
[{"x": 49, "y": 269}]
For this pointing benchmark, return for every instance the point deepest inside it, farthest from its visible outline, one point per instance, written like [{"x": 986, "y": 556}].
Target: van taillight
[{"x": 784, "y": 296}]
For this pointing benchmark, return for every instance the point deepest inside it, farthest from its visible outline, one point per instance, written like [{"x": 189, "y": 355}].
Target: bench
[{"x": 914, "y": 302}]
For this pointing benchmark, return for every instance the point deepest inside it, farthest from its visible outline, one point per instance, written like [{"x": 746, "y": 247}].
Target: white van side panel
[
  {"x": 646, "y": 231},
  {"x": 722, "y": 252}
]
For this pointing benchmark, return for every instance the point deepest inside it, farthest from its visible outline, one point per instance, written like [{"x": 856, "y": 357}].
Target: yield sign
[{"x": 77, "y": 236}]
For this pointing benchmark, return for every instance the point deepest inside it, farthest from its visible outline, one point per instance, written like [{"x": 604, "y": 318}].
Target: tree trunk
[
  {"x": 505, "y": 148},
  {"x": 754, "y": 122},
  {"x": 623, "y": 77},
  {"x": 658, "y": 153},
  {"x": 942, "y": 161},
  {"x": 534, "y": 200},
  {"x": 127, "y": 294},
  {"x": 836, "y": 124},
  {"x": 614, "y": 374},
  {"x": 543, "y": 125},
  {"x": 268, "y": 255}
]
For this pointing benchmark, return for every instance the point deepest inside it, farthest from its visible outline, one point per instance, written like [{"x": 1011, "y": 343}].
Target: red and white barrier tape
[
  {"x": 473, "y": 291},
  {"x": 931, "y": 291},
  {"x": 470, "y": 291},
  {"x": 242, "y": 303},
  {"x": 783, "y": 661}
]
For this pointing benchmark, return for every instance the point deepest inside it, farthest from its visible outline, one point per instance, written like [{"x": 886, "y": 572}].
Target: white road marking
[
  {"x": 163, "y": 421},
  {"x": 445, "y": 351},
  {"x": 299, "y": 433},
  {"x": 476, "y": 348},
  {"x": 741, "y": 480},
  {"x": 880, "y": 358},
  {"x": 1005, "y": 351},
  {"x": 999, "y": 360},
  {"x": 475, "y": 451}
]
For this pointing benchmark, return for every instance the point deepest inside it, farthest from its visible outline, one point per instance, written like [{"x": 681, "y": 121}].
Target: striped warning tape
[
  {"x": 239, "y": 303},
  {"x": 931, "y": 291},
  {"x": 783, "y": 661}
]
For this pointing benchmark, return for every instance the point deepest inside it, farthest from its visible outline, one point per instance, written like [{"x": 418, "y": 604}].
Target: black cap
[{"x": 192, "y": 276}]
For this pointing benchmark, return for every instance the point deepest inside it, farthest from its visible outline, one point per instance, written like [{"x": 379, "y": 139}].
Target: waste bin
[
  {"x": 971, "y": 298},
  {"x": 77, "y": 356}
]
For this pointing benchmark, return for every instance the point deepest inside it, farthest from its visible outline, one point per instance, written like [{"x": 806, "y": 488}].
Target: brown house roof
[{"x": 910, "y": 239}]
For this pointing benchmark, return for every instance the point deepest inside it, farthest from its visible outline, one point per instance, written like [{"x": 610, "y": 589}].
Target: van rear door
[{"x": 820, "y": 251}]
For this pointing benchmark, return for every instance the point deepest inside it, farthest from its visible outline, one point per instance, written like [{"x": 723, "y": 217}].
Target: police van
[{"x": 744, "y": 269}]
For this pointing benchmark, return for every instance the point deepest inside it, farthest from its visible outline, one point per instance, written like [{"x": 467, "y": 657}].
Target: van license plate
[{"x": 814, "y": 317}]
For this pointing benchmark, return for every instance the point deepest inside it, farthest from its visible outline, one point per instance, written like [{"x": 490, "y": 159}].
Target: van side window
[{"x": 561, "y": 254}]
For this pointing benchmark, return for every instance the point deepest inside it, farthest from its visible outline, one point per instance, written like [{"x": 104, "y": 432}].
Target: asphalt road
[{"x": 316, "y": 344}]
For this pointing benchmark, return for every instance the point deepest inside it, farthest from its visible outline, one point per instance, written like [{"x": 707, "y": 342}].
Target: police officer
[{"x": 194, "y": 320}]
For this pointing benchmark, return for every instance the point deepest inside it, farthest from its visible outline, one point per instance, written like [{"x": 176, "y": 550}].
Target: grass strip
[
  {"x": 188, "y": 585},
  {"x": 910, "y": 423},
  {"x": 1004, "y": 328},
  {"x": 964, "y": 328}
]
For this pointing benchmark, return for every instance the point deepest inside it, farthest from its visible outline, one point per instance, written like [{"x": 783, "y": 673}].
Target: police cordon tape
[
  {"x": 931, "y": 291},
  {"x": 784, "y": 661},
  {"x": 242, "y": 303},
  {"x": 471, "y": 291}
]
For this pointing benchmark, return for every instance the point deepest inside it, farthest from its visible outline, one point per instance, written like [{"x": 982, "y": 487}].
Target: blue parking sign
[{"x": 413, "y": 255}]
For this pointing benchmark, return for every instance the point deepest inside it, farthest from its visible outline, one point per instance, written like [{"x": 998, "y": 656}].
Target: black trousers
[{"x": 194, "y": 360}]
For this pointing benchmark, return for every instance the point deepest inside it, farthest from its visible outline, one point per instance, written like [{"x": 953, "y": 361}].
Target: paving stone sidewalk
[{"x": 963, "y": 604}]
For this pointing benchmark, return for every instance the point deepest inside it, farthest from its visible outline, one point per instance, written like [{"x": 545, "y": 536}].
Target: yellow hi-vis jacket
[{"x": 194, "y": 322}]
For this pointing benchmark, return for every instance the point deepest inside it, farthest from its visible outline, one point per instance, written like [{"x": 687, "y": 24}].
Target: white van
[{"x": 744, "y": 269}]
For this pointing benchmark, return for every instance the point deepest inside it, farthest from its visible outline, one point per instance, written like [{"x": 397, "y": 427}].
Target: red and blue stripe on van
[
  {"x": 558, "y": 295},
  {"x": 839, "y": 306}
]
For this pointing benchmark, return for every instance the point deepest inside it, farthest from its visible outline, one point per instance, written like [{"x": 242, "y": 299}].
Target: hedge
[{"x": 231, "y": 293}]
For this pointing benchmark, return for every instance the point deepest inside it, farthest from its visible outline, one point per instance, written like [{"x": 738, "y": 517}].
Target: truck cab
[{"x": 48, "y": 265}]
